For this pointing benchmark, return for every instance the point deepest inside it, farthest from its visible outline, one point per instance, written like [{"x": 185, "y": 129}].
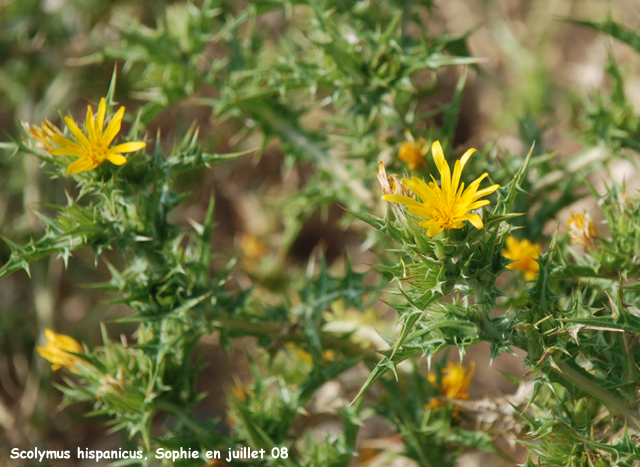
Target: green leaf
[
  {"x": 612, "y": 28},
  {"x": 507, "y": 194}
]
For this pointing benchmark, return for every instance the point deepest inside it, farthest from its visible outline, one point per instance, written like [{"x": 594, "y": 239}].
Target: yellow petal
[
  {"x": 457, "y": 172},
  {"x": 443, "y": 167},
  {"x": 67, "y": 343},
  {"x": 128, "y": 147},
  {"x": 69, "y": 152},
  {"x": 463, "y": 161},
  {"x": 530, "y": 275},
  {"x": 400, "y": 199},
  {"x": 44, "y": 353},
  {"x": 461, "y": 210},
  {"x": 116, "y": 159},
  {"x": 434, "y": 230},
  {"x": 436, "y": 189},
  {"x": 419, "y": 187},
  {"x": 485, "y": 191},
  {"x": 66, "y": 143},
  {"x": 475, "y": 220},
  {"x": 422, "y": 211},
  {"x": 102, "y": 110},
  {"x": 469, "y": 194},
  {"x": 81, "y": 165},
  {"x": 50, "y": 335},
  {"x": 459, "y": 193},
  {"x": 113, "y": 128},
  {"x": 80, "y": 137},
  {"x": 90, "y": 126}
]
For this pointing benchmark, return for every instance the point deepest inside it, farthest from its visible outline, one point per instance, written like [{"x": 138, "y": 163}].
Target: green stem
[
  {"x": 351, "y": 431},
  {"x": 612, "y": 402},
  {"x": 424, "y": 460},
  {"x": 487, "y": 328}
]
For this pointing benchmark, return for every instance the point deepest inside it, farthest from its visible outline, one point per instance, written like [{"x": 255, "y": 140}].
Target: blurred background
[{"x": 540, "y": 75}]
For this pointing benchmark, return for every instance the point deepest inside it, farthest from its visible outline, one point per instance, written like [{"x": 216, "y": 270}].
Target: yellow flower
[
  {"x": 301, "y": 353},
  {"x": 252, "y": 247},
  {"x": 412, "y": 152},
  {"x": 582, "y": 230},
  {"x": 329, "y": 355},
  {"x": 449, "y": 205},
  {"x": 57, "y": 349},
  {"x": 456, "y": 380},
  {"x": 92, "y": 148},
  {"x": 43, "y": 134},
  {"x": 524, "y": 254},
  {"x": 240, "y": 391}
]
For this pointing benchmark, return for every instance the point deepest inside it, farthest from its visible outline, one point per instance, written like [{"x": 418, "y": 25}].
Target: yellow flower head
[
  {"x": 91, "y": 147},
  {"x": 524, "y": 254},
  {"x": 446, "y": 206},
  {"x": 240, "y": 391},
  {"x": 582, "y": 230},
  {"x": 412, "y": 152},
  {"x": 456, "y": 380},
  {"x": 252, "y": 247},
  {"x": 301, "y": 353},
  {"x": 43, "y": 135},
  {"x": 57, "y": 351},
  {"x": 329, "y": 355}
]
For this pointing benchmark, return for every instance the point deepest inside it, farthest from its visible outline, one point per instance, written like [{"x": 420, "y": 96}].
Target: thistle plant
[{"x": 330, "y": 351}]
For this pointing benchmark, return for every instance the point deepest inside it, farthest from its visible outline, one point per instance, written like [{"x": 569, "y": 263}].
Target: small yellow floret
[
  {"x": 91, "y": 146},
  {"x": 301, "y": 353},
  {"x": 241, "y": 391},
  {"x": 252, "y": 247},
  {"x": 390, "y": 183},
  {"x": 57, "y": 349},
  {"x": 446, "y": 206},
  {"x": 412, "y": 152},
  {"x": 43, "y": 135},
  {"x": 582, "y": 230},
  {"x": 524, "y": 255},
  {"x": 329, "y": 355},
  {"x": 456, "y": 381}
]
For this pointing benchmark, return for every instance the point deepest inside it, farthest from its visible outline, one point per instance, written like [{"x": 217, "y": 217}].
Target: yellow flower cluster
[
  {"x": 448, "y": 205},
  {"x": 252, "y": 247},
  {"x": 90, "y": 146},
  {"x": 57, "y": 351},
  {"x": 456, "y": 381},
  {"x": 524, "y": 254},
  {"x": 412, "y": 152},
  {"x": 328, "y": 355},
  {"x": 582, "y": 230},
  {"x": 43, "y": 135}
]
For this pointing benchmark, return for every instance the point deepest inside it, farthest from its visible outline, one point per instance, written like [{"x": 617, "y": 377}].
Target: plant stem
[{"x": 612, "y": 402}]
